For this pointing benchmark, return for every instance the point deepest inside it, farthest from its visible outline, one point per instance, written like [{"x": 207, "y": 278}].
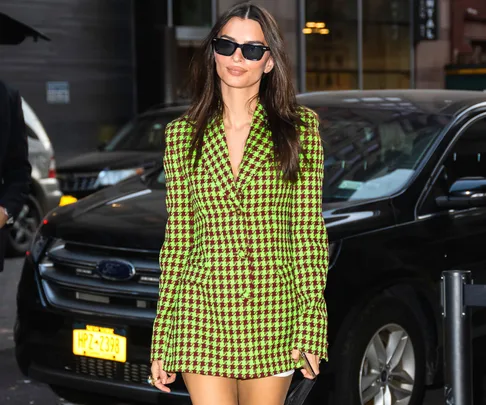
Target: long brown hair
[{"x": 276, "y": 92}]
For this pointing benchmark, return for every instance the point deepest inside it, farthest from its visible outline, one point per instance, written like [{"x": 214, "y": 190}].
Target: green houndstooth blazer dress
[{"x": 244, "y": 262}]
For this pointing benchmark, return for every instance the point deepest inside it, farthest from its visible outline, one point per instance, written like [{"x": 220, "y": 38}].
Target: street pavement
[{"x": 15, "y": 389}]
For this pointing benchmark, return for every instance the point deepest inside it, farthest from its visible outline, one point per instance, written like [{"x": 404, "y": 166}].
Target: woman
[{"x": 245, "y": 257}]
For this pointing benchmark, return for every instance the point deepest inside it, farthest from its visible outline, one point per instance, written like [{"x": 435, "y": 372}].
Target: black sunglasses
[{"x": 226, "y": 47}]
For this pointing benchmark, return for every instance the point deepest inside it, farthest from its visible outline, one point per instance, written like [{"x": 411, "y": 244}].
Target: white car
[{"x": 44, "y": 194}]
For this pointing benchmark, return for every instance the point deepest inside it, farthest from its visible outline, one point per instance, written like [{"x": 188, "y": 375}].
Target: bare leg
[
  {"x": 263, "y": 391},
  {"x": 211, "y": 390}
]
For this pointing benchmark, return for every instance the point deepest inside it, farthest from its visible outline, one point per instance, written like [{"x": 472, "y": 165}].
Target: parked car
[
  {"x": 138, "y": 146},
  {"x": 403, "y": 200},
  {"x": 44, "y": 193}
]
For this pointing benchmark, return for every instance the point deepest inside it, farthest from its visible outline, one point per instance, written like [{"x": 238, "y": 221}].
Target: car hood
[
  {"x": 131, "y": 215},
  {"x": 349, "y": 218},
  {"x": 127, "y": 215},
  {"x": 98, "y": 161}
]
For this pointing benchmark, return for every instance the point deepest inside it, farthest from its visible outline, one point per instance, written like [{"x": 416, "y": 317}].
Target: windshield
[
  {"x": 373, "y": 153},
  {"x": 368, "y": 153},
  {"x": 144, "y": 133}
]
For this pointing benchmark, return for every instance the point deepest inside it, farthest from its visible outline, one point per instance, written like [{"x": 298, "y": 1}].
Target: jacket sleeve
[
  {"x": 179, "y": 237},
  {"x": 17, "y": 169},
  {"x": 310, "y": 245}
]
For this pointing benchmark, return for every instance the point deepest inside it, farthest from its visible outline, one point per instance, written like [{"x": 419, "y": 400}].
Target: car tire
[
  {"x": 20, "y": 235},
  {"x": 365, "y": 368},
  {"x": 81, "y": 397}
]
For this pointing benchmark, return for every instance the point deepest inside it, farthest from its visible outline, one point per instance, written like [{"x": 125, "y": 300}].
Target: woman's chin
[{"x": 237, "y": 82}]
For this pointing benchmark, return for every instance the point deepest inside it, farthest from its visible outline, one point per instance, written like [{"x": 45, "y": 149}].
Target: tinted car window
[
  {"x": 373, "y": 153},
  {"x": 468, "y": 154},
  {"x": 145, "y": 133},
  {"x": 466, "y": 159}
]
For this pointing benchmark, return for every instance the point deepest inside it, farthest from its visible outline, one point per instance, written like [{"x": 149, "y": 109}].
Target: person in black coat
[{"x": 15, "y": 169}]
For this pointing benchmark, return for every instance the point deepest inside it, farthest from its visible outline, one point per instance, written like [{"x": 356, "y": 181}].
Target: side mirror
[{"x": 464, "y": 193}]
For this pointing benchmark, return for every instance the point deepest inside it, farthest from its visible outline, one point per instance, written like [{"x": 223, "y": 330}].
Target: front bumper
[
  {"x": 43, "y": 338},
  {"x": 126, "y": 391}
]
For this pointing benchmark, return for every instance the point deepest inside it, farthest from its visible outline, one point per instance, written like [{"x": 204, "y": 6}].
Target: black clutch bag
[{"x": 298, "y": 395}]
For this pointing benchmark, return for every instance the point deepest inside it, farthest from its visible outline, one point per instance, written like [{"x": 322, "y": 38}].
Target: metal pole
[
  {"x": 214, "y": 11},
  {"x": 412, "y": 44},
  {"x": 134, "y": 61},
  {"x": 457, "y": 338},
  {"x": 170, "y": 55},
  {"x": 170, "y": 60},
  {"x": 301, "y": 46},
  {"x": 360, "y": 44},
  {"x": 170, "y": 13}
]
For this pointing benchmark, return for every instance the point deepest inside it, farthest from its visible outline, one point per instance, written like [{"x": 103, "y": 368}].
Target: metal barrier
[{"x": 458, "y": 296}]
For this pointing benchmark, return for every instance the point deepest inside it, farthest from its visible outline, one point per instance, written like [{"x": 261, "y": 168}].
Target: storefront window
[
  {"x": 331, "y": 45},
  {"x": 386, "y": 44},
  {"x": 195, "y": 13}
]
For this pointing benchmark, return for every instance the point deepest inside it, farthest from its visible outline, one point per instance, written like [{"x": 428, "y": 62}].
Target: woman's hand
[
  {"x": 160, "y": 376},
  {"x": 313, "y": 360}
]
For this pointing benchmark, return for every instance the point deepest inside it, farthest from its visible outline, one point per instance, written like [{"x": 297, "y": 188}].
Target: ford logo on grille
[{"x": 115, "y": 270}]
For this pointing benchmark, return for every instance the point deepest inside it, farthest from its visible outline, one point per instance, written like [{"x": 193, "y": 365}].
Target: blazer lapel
[
  {"x": 258, "y": 148},
  {"x": 215, "y": 154},
  {"x": 216, "y": 158}
]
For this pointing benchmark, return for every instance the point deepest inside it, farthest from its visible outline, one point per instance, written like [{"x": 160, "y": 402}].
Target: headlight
[{"x": 111, "y": 177}]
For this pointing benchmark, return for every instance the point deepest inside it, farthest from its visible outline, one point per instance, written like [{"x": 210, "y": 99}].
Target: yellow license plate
[{"x": 100, "y": 343}]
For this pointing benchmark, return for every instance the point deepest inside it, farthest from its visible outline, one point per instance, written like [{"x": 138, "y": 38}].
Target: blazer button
[{"x": 239, "y": 211}]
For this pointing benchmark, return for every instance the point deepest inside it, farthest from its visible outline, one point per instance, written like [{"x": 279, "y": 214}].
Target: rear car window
[{"x": 145, "y": 133}]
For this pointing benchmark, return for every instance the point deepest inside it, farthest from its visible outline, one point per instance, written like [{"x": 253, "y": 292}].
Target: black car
[
  {"x": 136, "y": 147},
  {"x": 405, "y": 177}
]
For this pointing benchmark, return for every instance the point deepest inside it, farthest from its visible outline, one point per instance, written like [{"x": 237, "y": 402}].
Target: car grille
[
  {"x": 70, "y": 281},
  {"x": 128, "y": 372},
  {"x": 78, "y": 182}
]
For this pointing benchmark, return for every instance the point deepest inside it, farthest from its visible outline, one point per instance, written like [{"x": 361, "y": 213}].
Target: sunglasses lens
[
  {"x": 223, "y": 47},
  {"x": 227, "y": 48},
  {"x": 252, "y": 52}
]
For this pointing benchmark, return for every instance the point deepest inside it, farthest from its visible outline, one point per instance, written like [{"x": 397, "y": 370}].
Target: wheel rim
[
  {"x": 23, "y": 229},
  {"x": 387, "y": 373}
]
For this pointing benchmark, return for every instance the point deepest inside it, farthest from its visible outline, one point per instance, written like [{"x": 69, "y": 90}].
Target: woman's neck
[{"x": 238, "y": 112}]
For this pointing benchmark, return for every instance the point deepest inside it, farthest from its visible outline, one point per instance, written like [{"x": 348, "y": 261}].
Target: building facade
[
  {"x": 344, "y": 44},
  {"x": 89, "y": 62},
  {"x": 371, "y": 44},
  {"x": 114, "y": 58}
]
